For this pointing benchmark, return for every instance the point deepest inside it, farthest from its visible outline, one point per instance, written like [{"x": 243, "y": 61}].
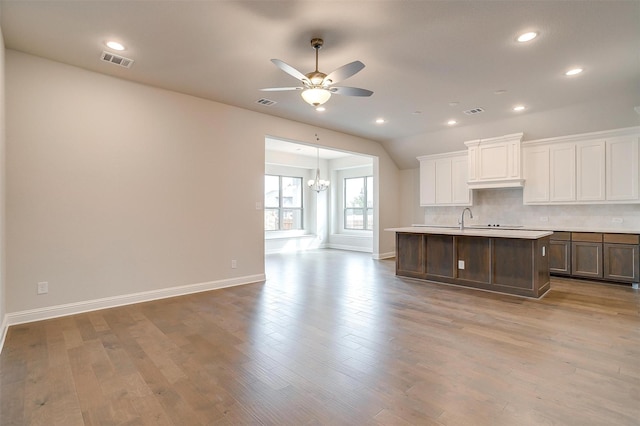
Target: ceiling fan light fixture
[{"x": 315, "y": 96}]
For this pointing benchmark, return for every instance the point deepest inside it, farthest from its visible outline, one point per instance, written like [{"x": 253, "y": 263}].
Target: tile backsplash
[{"x": 504, "y": 206}]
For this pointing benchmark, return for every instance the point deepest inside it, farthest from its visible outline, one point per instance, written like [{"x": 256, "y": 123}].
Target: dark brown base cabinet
[
  {"x": 606, "y": 257},
  {"x": 560, "y": 253},
  {"x": 506, "y": 265}
]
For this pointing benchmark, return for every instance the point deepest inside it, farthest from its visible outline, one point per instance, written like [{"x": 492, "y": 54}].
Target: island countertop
[{"x": 474, "y": 232}]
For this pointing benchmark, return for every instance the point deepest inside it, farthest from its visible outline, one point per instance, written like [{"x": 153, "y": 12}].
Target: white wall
[
  {"x": 3, "y": 300},
  {"x": 116, "y": 188},
  {"x": 505, "y": 206},
  {"x": 614, "y": 111}
]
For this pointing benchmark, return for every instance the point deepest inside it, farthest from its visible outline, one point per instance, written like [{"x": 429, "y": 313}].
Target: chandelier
[{"x": 318, "y": 184}]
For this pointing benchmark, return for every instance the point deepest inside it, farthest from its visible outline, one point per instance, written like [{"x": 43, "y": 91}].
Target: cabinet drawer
[
  {"x": 589, "y": 237},
  {"x": 622, "y": 238},
  {"x": 560, "y": 236}
]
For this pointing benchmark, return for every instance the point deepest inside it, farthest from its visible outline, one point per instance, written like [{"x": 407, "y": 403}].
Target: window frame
[
  {"x": 366, "y": 226},
  {"x": 281, "y": 208}
]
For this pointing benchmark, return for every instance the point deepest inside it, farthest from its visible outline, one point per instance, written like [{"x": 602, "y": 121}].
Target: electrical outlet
[
  {"x": 258, "y": 205},
  {"x": 616, "y": 220},
  {"x": 43, "y": 287},
  {"x": 544, "y": 218},
  {"x": 234, "y": 264},
  {"x": 460, "y": 264}
]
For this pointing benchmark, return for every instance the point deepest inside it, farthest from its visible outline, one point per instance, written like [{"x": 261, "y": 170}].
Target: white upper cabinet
[
  {"x": 495, "y": 162},
  {"x": 593, "y": 168},
  {"x": 622, "y": 168},
  {"x": 590, "y": 176},
  {"x": 443, "y": 180},
  {"x": 535, "y": 170},
  {"x": 562, "y": 176}
]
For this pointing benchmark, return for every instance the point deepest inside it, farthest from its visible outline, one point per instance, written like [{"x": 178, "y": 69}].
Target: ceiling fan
[{"x": 317, "y": 86}]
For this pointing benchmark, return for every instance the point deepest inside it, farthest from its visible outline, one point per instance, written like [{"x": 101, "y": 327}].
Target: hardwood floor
[{"x": 334, "y": 338}]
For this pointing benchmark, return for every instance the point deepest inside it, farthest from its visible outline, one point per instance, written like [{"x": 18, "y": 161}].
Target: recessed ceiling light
[
  {"x": 500, "y": 92},
  {"x": 522, "y": 38},
  {"x": 380, "y": 120},
  {"x": 573, "y": 71},
  {"x": 451, "y": 122},
  {"x": 518, "y": 108},
  {"x": 321, "y": 109},
  {"x": 114, "y": 45}
]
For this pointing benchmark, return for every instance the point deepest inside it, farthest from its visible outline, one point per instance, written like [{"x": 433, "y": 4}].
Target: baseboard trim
[
  {"x": 3, "y": 331},
  {"x": 388, "y": 255},
  {"x": 348, "y": 248},
  {"x": 50, "y": 312}
]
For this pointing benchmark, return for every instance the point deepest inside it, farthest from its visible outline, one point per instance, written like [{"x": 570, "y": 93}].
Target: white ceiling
[
  {"x": 419, "y": 55},
  {"x": 278, "y": 145}
]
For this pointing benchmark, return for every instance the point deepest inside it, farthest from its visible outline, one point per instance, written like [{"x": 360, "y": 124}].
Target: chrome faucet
[{"x": 461, "y": 221}]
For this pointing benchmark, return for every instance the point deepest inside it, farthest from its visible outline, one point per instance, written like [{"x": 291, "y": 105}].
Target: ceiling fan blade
[
  {"x": 350, "y": 91},
  {"x": 280, "y": 89},
  {"x": 343, "y": 72},
  {"x": 290, "y": 70}
]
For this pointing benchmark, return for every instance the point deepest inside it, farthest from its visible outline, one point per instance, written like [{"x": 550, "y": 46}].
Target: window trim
[
  {"x": 281, "y": 208},
  {"x": 365, "y": 215}
]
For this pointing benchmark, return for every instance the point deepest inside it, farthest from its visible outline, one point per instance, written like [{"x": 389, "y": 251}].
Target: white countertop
[
  {"x": 559, "y": 228},
  {"x": 474, "y": 232},
  {"x": 584, "y": 229}
]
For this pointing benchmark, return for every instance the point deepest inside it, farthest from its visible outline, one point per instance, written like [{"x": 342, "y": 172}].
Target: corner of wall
[{"x": 3, "y": 303}]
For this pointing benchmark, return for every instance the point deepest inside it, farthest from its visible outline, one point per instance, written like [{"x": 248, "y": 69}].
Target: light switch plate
[{"x": 460, "y": 264}]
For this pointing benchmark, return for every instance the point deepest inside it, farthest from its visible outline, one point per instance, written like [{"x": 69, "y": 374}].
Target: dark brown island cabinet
[
  {"x": 594, "y": 255},
  {"x": 512, "y": 262}
]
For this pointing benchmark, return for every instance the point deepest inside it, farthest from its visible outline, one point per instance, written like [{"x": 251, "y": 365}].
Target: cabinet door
[
  {"x": 443, "y": 181},
  {"x": 427, "y": 182},
  {"x": 586, "y": 259},
  {"x": 536, "y": 174},
  {"x": 461, "y": 194},
  {"x": 410, "y": 254},
  {"x": 493, "y": 161},
  {"x": 622, "y": 168},
  {"x": 562, "y": 174},
  {"x": 560, "y": 257},
  {"x": 621, "y": 262},
  {"x": 590, "y": 175}
]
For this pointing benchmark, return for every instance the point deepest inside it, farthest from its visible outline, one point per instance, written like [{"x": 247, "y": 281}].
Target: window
[
  {"x": 358, "y": 203},
  {"x": 282, "y": 203}
]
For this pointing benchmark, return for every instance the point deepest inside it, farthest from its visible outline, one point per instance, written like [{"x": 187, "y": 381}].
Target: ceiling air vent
[
  {"x": 474, "y": 111},
  {"x": 266, "y": 102},
  {"x": 116, "y": 59}
]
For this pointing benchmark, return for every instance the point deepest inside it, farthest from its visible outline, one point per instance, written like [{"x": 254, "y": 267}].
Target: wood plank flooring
[{"x": 334, "y": 338}]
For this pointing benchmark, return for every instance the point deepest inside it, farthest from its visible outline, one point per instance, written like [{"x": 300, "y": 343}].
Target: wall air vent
[
  {"x": 266, "y": 102},
  {"x": 474, "y": 111},
  {"x": 116, "y": 59}
]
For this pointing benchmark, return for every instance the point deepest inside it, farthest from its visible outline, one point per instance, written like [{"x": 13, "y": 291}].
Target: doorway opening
[{"x": 297, "y": 218}]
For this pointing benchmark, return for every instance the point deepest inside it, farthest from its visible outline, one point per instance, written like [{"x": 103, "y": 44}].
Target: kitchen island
[{"x": 505, "y": 261}]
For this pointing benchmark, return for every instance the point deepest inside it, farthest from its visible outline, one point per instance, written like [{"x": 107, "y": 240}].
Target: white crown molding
[{"x": 626, "y": 131}]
